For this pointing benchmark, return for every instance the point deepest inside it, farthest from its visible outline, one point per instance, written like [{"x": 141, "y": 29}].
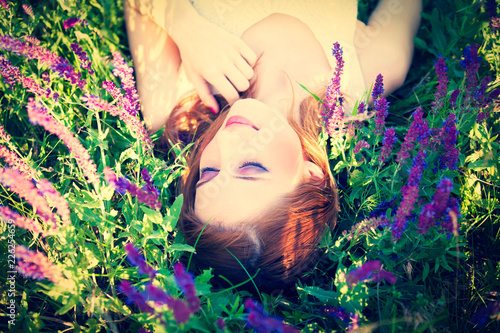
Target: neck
[{"x": 289, "y": 54}]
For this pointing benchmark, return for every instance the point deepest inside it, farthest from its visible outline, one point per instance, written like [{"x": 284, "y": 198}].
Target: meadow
[{"x": 89, "y": 202}]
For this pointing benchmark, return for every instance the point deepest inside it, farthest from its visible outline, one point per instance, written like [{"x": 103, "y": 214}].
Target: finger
[
  {"x": 203, "y": 89},
  {"x": 244, "y": 68},
  {"x": 248, "y": 54},
  {"x": 237, "y": 79},
  {"x": 226, "y": 89}
]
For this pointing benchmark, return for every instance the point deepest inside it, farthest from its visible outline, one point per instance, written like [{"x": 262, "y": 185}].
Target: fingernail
[{"x": 213, "y": 110}]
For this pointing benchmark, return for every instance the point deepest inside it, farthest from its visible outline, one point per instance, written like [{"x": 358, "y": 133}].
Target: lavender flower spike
[
  {"x": 378, "y": 88},
  {"x": 360, "y": 145},
  {"x": 369, "y": 270},
  {"x": 128, "y": 84},
  {"x": 434, "y": 211},
  {"x": 136, "y": 259},
  {"x": 442, "y": 88},
  {"x": 15, "y": 162},
  {"x": 333, "y": 111},
  {"x": 387, "y": 144},
  {"x": 186, "y": 283},
  {"x": 262, "y": 322},
  {"x": 39, "y": 116}
]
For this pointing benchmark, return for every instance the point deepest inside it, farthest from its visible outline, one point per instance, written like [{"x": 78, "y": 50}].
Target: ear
[{"x": 313, "y": 172}]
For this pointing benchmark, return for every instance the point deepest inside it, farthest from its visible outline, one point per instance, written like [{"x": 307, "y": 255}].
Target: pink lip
[{"x": 240, "y": 120}]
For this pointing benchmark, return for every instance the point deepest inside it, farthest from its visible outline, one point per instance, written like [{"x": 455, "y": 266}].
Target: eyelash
[{"x": 245, "y": 164}]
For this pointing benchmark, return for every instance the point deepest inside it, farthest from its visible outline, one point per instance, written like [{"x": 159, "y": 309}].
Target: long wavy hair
[{"x": 281, "y": 244}]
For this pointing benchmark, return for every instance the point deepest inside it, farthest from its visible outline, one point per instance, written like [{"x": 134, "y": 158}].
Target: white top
[{"x": 330, "y": 20}]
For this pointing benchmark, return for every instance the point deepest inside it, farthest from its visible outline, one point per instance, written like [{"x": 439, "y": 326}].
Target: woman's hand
[{"x": 211, "y": 55}]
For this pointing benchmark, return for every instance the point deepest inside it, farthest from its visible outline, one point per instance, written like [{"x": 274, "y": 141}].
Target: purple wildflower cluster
[
  {"x": 12, "y": 74},
  {"x": 418, "y": 132},
  {"x": 447, "y": 136},
  {"x": 453, "y": 98},
  {"x": 4, "y": 4},
  {"x": 38, "y": 115},
  {"x": 82, "y": 55},
  {"x": 361, "y": 144},
  {"x": 366, "y": 226},
  {"x": 471, "y": 63},
  {"x": 491, "y": 10},
  {"x": 333, "y": 109},
  {"x": 350, "y": 319},
  {"x": 182, "y": 310},
  {"x": 433, "y": 212},
  {"x": 33, "y": 51},
  {"x": 262, "y": 322},
  {"x": 380, "y": 104},
  {"x": 94, "y": 103},
  {"x": 370, "y": 270},
  {"x": 442, "y": 88},
  {"x": 27, "y": 190},
  {"x": 71, "y": 22},
  {"x": 130, "y": 101},
  {"x": 387, "y": 144},
  {"x": 36, "y": 265},
  {"x": 410, "y": 196},
  {"x": 149, "y": 195}
]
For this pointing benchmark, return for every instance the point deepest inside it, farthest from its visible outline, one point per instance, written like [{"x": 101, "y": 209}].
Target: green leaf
[
  {"x": 71, "y": 303},
  {"x": 181, "y": 247},
  {"x": 325, "y": 296},
  {"x": 313, "y": 94},
  {"x": 426, "y": 271}
]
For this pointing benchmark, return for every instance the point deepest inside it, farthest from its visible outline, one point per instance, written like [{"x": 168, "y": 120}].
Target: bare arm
[{"x": 385, "y": 44}]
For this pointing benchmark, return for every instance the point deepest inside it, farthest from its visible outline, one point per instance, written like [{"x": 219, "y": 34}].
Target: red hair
[{"x": 282, "y": 245}]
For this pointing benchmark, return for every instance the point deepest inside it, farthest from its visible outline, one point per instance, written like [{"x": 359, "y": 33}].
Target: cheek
[{"x": 287, "y": 150}]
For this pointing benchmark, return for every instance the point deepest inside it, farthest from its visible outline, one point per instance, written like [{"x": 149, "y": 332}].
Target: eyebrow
[{"x": 239, "y": 177}]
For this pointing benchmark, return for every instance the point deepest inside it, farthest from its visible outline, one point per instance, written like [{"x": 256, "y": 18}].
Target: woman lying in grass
[{"x": 258, "y": 192}]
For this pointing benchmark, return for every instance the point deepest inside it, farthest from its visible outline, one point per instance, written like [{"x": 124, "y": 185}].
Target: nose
[{"x": 235, "y": 147}]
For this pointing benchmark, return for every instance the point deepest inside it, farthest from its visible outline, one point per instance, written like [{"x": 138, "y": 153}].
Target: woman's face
[{"x": 252, "y": 162}]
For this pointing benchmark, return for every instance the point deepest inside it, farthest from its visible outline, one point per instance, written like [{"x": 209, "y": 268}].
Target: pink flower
[
  {"x": 131, "y": 99},
  {"x": 28, "y": 10},
  {"x": 333, "y": 111},
  {"x": 22, "y": 222},
  {"x": 55, "y": 199},
  {"x": 133, "y": 123},
  {"x": 36, "y": 265},
  {"x": 4, "y": 4},
  {"x": 38, "y": 115},
  {"x": 71, "y": 22},
  {"x": 26, "y": 190},
  {"x": 15, "y": 162}
]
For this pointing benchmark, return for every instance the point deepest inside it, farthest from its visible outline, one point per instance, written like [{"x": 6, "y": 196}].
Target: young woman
[{"x": 258, "y": 193}]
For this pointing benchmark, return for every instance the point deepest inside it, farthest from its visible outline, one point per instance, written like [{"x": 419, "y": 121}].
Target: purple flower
[
  {"x": 333, "y": 110},
  {"x": 11, "y": 74},
  {"x": 449, "y": 134},
  {"x": 82, "y": 55},
  {"x": 123, "y": 185},
  {"x": 387, "y": 144},
  {"x": 434, "y": 210},
  {"x": 453, "y": 98},
  {"x": 370, "y": 270},
  {"x": 136, "y": 259},
  {"x": 124, "y": 72},
  {"x": 262, "y": 322},
  {"x": 133, "y": 123},
  {"x": 181, "y": 311},
  {"x": 221, "y": 324},
  {"x": 366, "y": 226},
  {"x": 442, "y": 88},
  {"x": 360, "y": 145},
  {"x": 134, "y": 296},
  {"x": 410, "y": 196},
  {"x": 471, "y": 63},
  {"x": 378, "y": 88},
  {"x": 381, "y": 105},
  {"x": 38, "y": 115},
  {"x": 482, "y": 116},
  {"x": 33, "y": 51},
  {"x": 4, "y": 4},
  {"x": 186, "y": 283},
  {"x": 71, "y": 22},
  {"x": 418, "y": 131},
  {"x": 491, "y": 10},
  {"x": 36, "y": 265}
]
